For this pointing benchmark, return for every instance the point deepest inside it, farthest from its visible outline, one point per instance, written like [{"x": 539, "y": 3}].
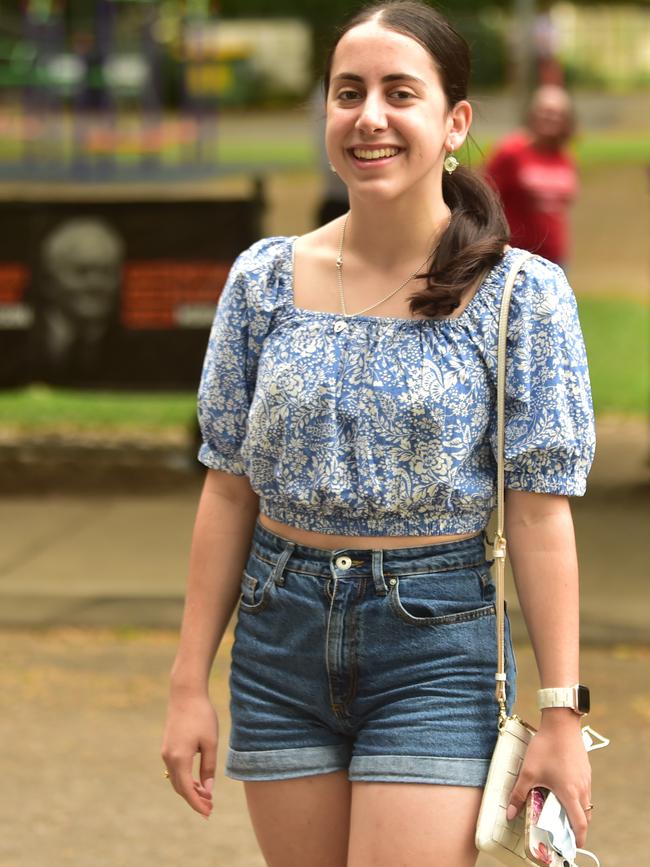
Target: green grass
[
  {"x": 291, "y": 154},
  {"x": 617, "y": 337},
  {"x": 56, "y": 408},
  {"x": 608, "y": 148}
]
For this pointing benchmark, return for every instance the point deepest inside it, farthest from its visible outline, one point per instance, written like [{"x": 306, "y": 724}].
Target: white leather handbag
[{"x": 500, "y": 838}]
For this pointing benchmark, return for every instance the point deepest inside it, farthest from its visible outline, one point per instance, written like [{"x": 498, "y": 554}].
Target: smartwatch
[{"x": 575, "y": 697}]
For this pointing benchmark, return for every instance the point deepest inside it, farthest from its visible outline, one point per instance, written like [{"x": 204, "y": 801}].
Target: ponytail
[{"x": 471, "y": 245}]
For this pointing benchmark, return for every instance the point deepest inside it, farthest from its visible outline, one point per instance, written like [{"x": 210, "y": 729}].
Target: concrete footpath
[
  {"x": 81, "y": 772},
  {"x": 121, "y": 559}
]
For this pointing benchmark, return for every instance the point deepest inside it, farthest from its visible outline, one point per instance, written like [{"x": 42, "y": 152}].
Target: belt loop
[
  {"x": 378, "y": 572},
  {"x": 278, "y": 569}
]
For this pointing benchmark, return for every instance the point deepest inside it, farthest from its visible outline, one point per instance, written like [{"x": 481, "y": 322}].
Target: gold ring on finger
[{"x": 590, "y": 807}]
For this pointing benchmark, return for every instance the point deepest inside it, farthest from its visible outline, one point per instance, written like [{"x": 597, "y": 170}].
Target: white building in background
[
  {"x": 278, "y": 49},
  {"x": 611, "y": 41}
]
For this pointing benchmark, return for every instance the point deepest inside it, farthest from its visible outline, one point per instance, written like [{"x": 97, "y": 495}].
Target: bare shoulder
[{"x": 320, "y": 243}]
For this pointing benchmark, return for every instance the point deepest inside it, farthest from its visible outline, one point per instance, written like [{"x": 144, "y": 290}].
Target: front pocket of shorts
[
  {"x": 254, "y": 596},
  {"x": 441, "y": 598}
]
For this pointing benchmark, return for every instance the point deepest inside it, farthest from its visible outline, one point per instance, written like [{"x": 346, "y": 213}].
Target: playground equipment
[
  {"x": 87, "y": 103},
  {"x": 116, "y": 289}
]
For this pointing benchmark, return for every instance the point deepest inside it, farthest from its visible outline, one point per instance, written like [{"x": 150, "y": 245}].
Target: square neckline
[{"x": 290, "y": 268}]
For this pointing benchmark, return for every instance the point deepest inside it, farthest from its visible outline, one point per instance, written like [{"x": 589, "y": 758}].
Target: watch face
[{"x": 583, "y": 699}]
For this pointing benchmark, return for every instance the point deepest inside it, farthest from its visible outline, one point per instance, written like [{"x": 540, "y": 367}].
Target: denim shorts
[{"x": 377, "y": 661}]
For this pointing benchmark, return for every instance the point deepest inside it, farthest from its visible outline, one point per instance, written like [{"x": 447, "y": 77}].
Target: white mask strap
[{"x": 592, "y": 740}]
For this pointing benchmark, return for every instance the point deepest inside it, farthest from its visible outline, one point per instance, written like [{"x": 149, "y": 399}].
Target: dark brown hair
[{"x": 473, "y": 243}]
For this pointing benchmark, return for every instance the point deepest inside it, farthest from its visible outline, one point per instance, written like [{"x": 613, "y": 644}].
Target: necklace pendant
[{"x": 339, "y": 261}]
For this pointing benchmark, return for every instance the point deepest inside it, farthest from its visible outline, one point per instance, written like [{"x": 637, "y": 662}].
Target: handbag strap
[{"x": 500, "y": 545}]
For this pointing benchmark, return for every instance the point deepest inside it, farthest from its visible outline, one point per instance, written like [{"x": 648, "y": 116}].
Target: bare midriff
[{"x": 331, "y": 541}]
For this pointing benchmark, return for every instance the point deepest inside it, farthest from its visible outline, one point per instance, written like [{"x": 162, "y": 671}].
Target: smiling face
[{"x": 388, "y": 122}]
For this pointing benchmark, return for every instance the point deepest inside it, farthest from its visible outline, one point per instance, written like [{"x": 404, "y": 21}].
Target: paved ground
[{"x": 81, "y": 774}]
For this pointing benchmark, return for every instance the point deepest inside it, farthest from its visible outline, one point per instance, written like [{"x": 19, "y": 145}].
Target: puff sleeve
[
  {"x": 229, "y": 369},
  {"x": 550, "y": 437}
]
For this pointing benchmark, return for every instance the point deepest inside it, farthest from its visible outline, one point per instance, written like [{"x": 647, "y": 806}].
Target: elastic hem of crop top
[{"x": 348, "y": 523}]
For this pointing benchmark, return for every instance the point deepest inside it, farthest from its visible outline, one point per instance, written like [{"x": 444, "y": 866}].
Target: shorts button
[{"x": 343, "y": 562}]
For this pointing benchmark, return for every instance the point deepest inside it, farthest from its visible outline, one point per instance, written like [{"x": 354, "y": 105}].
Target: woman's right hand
[{"x": 192, "y": 727}]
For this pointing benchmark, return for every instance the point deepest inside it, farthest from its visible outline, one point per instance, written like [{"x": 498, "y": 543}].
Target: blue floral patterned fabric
[{"x": 371, "y": 425}]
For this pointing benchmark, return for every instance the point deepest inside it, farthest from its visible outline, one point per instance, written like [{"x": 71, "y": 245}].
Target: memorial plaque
[{"x": 115, "y": 294}]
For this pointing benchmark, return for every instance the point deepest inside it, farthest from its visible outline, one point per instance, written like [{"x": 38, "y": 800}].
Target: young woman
[{"x": 347, "y": 410}]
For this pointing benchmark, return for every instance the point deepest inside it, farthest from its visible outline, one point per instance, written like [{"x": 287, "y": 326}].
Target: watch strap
[{"x": 557, "y": 696}]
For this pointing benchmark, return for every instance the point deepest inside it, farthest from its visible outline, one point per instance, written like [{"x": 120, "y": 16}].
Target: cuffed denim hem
[
  {"x": 419, "y": 769},
  {"x": 285, "y": 764}
]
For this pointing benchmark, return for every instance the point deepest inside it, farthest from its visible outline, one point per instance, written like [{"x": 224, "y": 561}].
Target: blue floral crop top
[{"x": 371, "y": 425}]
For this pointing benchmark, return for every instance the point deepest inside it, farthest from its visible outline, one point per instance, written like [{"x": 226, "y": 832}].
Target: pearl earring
[{"x": 332, "y": 169}]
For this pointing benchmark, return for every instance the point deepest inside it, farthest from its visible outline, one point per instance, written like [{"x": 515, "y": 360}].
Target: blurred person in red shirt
[{"x": 537, "y": 178}]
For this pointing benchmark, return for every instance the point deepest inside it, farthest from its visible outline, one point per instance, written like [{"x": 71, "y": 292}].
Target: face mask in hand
[
  {"x": 554, "y": 820},
  {"x": 551, "y": 838}
]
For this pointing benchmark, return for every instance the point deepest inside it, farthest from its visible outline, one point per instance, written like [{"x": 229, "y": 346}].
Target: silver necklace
[{"x": 339, "y": 273}]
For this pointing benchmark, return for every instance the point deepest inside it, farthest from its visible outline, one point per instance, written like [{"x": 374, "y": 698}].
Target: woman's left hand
[{"x": 556, "y": 759}]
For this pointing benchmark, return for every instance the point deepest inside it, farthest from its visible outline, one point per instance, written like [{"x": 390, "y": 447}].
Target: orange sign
[
  {"x": 171, "y": 294},
  {"x": 14, "y": 277}
]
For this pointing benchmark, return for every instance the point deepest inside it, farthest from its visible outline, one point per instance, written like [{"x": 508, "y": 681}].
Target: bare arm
[
  {"x": 541, "y": 543},
  {"x": 223, "y": 529}
]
